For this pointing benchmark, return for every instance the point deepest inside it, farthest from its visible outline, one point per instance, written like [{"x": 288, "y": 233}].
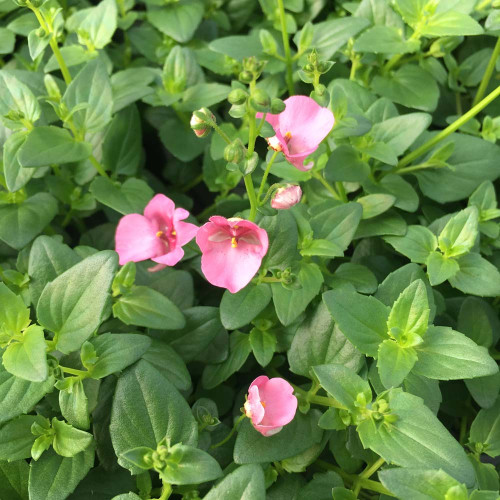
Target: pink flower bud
[
  {"x": 286, "y": 197},
  {"x": 199, "y": 124},
  {"x": 270, "y": 404}
]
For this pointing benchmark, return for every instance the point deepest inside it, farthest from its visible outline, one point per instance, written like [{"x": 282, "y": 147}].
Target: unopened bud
[
  {"x": 286, "y": 197},
  {"x": 245, "y": 77},
  {"x": 260, "y": 100},
  {"x": 237, "y": 96},
  {"x": 200, "y": 122},
  {"x": 234, "y": 152},
  {"x": 277, "y": 106}
]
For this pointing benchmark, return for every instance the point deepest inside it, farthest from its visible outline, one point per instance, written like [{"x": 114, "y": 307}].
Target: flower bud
[
  {"x": 234, "y": 152},
  {"x": 286, "y": 197},
  {"x": 237, "y": 96},
  {"x": 200, "y": 122},
  {"x": 245, "y": 76},
  {"x": 260, "y": 100},
  {"x": 277, "y": 106}
]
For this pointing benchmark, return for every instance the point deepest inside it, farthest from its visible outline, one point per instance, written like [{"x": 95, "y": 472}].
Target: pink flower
[
  {"x": 232, "y": 251},
  {"x": 299, "y": 129},
  {"x": 286, "y": 197},
  {"x": 158, "y": 235},
  {"x": 270, "y": 404}
]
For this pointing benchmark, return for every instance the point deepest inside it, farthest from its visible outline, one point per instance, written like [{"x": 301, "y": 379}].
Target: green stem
[
  {"x": 192, "y": 184},
  {"x": 266, "y": 174},
  {"x": 487, "y": 74},
  {"x": 98, "y": 166},
  {"x": 286, "y": 47},
  {"x": 354, "y": 67},
  {"x": 221, "y": 133},
  {"x": 341, "y": 190},
  {"x": 450, "y": 129},
  {"x": 230, "y": 435},
  {"x": 251, "y": 196},
  {"x": 268, "y": 279},
  {"x": 329, "y": 188},
  {"x": 166, "y": 491},
  {"x": 74, "y": 371},
  {"x": 413, "y": 168}
]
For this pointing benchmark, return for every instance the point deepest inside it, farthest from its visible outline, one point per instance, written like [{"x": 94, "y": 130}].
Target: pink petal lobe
[
  {"x": 180, "y": 214},
  {"x": 280, "y": 403},
  {"x": 185, "y": 232},
  {"x": 136, "y": 240},
  {"x": 160, "y": 209},
  {"x": 170, "y": 258},
  {"x": 253, "y": 406}
]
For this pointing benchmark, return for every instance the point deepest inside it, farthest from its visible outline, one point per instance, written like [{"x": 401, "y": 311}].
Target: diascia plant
[{"x": 249, "y": 249}]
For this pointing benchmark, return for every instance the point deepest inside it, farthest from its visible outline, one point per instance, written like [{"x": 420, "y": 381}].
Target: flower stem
[
  {"x": 369, "y": 471},
  {"x": 98, "y": 166},
  {"x": 286, "y": 47},
  {"x": 230, "y": 435},
  {"x": 166, "y": 491},
  {"x": 264, "y": 178},
  {"x": 74, "y": 371},
  {"x": 329, "y": 188},
  {"x": 221, "y": 133},
  {"x": 450, "y": 129},
  {"x": 251, "y": 196},
  {"x": 487, "y": 74}
]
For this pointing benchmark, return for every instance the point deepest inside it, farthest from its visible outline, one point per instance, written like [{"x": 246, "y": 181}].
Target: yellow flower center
[{"x": 234, "y": 243}]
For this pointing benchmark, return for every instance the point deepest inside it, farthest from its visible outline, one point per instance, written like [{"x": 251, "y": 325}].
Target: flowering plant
[{"x": 249, "y": 249}]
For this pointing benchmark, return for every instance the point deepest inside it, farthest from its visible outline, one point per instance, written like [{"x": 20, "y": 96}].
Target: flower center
[
  {"x": 287, "y": 137},
  {"x": 263, "y": 403},
  {"x": 234, "y": 243}
]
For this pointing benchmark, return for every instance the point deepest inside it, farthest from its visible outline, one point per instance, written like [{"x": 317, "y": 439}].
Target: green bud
[
  {"x": 237, "y": 96},
  {"x": 235, "y": 152},
  {"x": 308, "y": 68},
  {"x": 245, "y": 77},
  {"x": 277, "y": 106},
  {"x": 260, "y": 100}
]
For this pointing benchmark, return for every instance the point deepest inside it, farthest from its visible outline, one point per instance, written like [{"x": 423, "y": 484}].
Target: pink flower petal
[
  {"x": 273, "y": 120},
  {"x": 185, "y": 232},
  {"x": 180, "y": 214},
  {"x": 297, "y": 160},
  {"x": 136, "y": 240},
  {"x": 170, "y": 258},
  {"x": 266, "y": 430},
  {"x": 160, "y": 209},
  {"x": 280, "y": 403},
  {"x": 306, "y": 121},
  {"x": 253, "y": 406}
]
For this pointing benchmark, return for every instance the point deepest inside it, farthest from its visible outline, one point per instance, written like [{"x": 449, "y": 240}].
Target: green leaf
[
  {"x": 394, "y": 362},
  {"x": 289, "y": 304},
  {"x": 410, "y": 312},
  {"x": 283, "y": 239},
  {"x": 117, "y": 351},
  {"x": 146, "y": 409},
  {"x": 72, "y": 305},
  {"x": 178, "y": 20},
  {"x": 194, "y": 466},
  {"x": 239, "y": 309},
  {"x": 375, "y": 204},
  {"x": 363, "y": 320},
  {"x": 74, "y": 405},
  {"x": 48, "y": 259},
  {"x": 476, "y": 276},
  {"x": 460, "y": 233},
  {"x": 319, "y": 341},
  {"x": 485, "y": 429},
  {"x": 451, "y": 23},
  {"x": 263, "y": 345},
  {"x": 416, "y": 439},
  {"x": 239, "y": 350},
  {"x": 95, "y": 24},
  {"x": 384, "y": 40},
  {"x": 330, "y": 36},
  {"x": 388, "y": 223},
  {"x": 440, "y": 268},
  {"x": 16, "y": 97},
  {"x": 485, "y": 200},
  {"x": 143, "y": 306},
  {"x": 45, "y": 146},
  {"x": 203, "y": 94},
  {"x": 20, "y": 223},
  {"x": 400, "y": 132},
  {"x": 69, "y": 441},
  {"x": 296, "y": 437},
  {"x": 16, "y": 438},
  {"x": 92, "y": 87},
  {"x": 411, "y": 10},
  {"x": 344, "y": 164},
  {"x": 476, "y": 319},
  {"x": 418, "y": 484},
  {"x": 122, "y": 146},
  {"x": 473, "y": 161},
  {"x": 15, "y": 175},
  {"x": 18, "y": 395},
  {"x": 246, "y": 482},
  {"x": 338, "y": 224},
  {"x": 238, "y": 46},
  {"x": 449, "y": 355},
  {"x": 14, "y": 315},
  {"x": 361, "y": 277},
  {"x": 7, "y": 41},
  {"x": 169, "y": 364},
  {"x": 26, "y": 358},
  {"x": 343, "y": 384},
  {"x": 53, "y": 477},
  {"x": 417, "y": 244},
  {"x": 202, "y": 328},
  {"x": 410, "y": 86},
  {"x": 14, "y": 480},
  {"x": 127, "y": 198}
]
